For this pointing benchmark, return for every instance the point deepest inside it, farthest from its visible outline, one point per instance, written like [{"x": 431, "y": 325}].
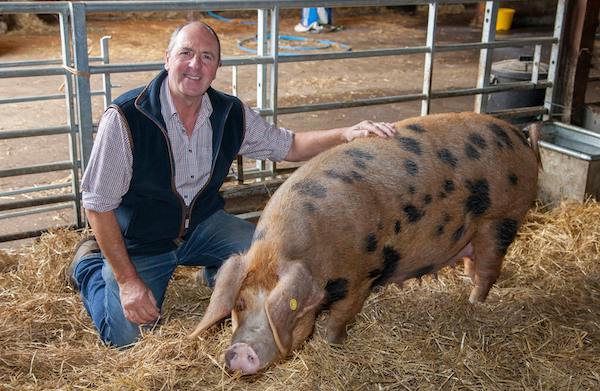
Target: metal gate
[{"x": 77, "y": 67}]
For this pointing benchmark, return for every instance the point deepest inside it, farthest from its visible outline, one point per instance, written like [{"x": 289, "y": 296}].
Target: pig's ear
[
  {"x": 227, "y": 287},
  {"x": 296, "y": 294}
]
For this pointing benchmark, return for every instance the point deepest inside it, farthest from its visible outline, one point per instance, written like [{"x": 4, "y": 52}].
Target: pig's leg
[
  {"x": 343, "y": 312},
  {"x": 489, "y": 248}
]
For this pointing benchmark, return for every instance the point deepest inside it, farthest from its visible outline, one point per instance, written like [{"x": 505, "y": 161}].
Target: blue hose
[
  {"x": 322, "y": 44},
  {"x": 224, "y": 19}
]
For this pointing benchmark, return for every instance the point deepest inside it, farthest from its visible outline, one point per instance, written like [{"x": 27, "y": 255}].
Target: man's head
[{"x": 192, "y": 59}]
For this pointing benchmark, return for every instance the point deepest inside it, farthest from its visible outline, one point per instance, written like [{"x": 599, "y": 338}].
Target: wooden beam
[{"x": 581, "y": 21}]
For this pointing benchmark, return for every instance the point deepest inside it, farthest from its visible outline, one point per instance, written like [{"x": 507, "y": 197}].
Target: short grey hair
[{"x": 179, "y": 28}]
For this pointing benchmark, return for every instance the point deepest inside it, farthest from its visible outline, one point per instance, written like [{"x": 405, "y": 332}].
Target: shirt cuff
[
  {"x": 286, "y": 141},
  {"x": 99, "y": 203}
]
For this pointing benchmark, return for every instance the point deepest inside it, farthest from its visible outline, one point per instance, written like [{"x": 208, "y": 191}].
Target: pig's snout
[{"x": 242, "y": 357}]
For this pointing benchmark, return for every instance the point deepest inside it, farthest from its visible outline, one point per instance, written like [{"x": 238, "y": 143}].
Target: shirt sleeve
[
  {"x": 108, "y": 173},
  {"x": 264, "y": 141}
]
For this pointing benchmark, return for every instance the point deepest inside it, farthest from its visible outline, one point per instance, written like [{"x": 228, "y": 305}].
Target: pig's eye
[{"x": 240, "y": 305}]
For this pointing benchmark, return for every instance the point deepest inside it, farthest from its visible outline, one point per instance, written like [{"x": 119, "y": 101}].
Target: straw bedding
[{"x": 539, "y": 329}]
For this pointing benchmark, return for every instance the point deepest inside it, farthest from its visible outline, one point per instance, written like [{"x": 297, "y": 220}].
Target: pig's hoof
[
  {"x": 478, "y": 295},
  {"x": 241, "y": 357}
]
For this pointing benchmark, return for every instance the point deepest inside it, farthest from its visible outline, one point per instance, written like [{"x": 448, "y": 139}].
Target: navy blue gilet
[{"x": 152, "y": 215}]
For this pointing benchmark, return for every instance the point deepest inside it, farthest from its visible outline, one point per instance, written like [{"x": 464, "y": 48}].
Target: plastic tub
[{"x": 504, "y": 19}]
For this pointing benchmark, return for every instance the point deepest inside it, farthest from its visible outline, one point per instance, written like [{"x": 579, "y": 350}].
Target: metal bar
[
  {"x": 35, "y": 189},
  {"x": 31, "y": 7},
  {"x": 70, "y": 103},
  {"x": 38, "y": 62},
  {"x": 519, "y": 112},
  {"x": 36, "y": 169},
  {"x": 274, "y": 72},
  {"x": 261, "y": 59},
  {"x": 515, "y": 86},
  {"x": 513, "y": 42},
  {"x": 29, "y": 63},
  {"x": 36, "y": 202},
  {"x": 107, "y": 87},
  {"x": 28, "y": 212},
  {"x": 262, "y": 174},
  {"x": 234, "y": 80},
  {"x": 428, "y": 64},
  {"x": 261, "y": 50},
  {"x": 207, "y": 5},
  {"x": 274, "y": 67},
  {"x": 537, "y": 58},
  {"x": 37, "y": 98},
  {"x": 30, "y": 234},
  {"x": 523, "y": 85},
  {"x": 32, "y": 72},
  {"x": 239, "y": 162},
  {"x": 348, "y": 104},
  {"x": 485, "y": 57},
  {"x": 84, "y": 101},
  {"x": 554, "y": 53},
  {"x": 12, "y": 134},
  {"x": 23, "y": 99},
  {"x": 239, "y": 175},
  {"x": 262, "y": 32}
]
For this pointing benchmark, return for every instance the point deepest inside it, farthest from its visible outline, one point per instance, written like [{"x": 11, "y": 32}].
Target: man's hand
[
  {"x": 364, "y": 128},
  {"x": 139, "y": 304}
]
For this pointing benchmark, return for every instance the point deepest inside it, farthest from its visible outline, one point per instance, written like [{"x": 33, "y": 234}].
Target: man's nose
[{"x": 195, "y": 62}]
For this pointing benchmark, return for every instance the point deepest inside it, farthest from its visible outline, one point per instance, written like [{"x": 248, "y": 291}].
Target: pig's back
[{"x": 422, "y": 192}]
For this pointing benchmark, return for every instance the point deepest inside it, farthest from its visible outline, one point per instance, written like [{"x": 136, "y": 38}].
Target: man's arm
[
  {"x": 308, "y": 144},
  {"x": 137, "y": 300},
  {"x": 105, "y": 181}
]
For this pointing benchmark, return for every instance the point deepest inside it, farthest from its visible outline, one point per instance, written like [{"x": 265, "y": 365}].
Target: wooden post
[{"x": 577, "y": 45}]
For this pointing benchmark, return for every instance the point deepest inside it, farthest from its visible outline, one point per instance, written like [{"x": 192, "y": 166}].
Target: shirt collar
[{"x": 169, "y": 111}]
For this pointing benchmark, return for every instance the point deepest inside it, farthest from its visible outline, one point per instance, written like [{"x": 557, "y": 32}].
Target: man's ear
[
  {"x": 229, "y": 280},
  {"x": 166, "y": 57},
  {"x": 296, "y": 294}
]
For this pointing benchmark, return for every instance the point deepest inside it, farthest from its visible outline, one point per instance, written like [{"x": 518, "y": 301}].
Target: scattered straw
[{"x": 539, "y": 329}]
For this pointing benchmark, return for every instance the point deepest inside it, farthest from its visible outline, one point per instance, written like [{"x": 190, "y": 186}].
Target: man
[{"x": 151, "y": 187}]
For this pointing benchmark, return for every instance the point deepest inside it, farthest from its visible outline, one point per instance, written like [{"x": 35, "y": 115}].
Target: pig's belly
[{"x": 419, "y": 271}]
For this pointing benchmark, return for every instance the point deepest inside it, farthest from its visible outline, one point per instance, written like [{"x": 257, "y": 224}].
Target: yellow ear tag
[{"x": 293, "y": 304}]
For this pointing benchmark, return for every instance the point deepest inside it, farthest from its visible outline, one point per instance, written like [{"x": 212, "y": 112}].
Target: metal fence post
[
  {"x": 553, "y": 63},
  {"x": 106, "y": 83},
  {"x": 261, "y": 69},
  {"x": 82, "y": 76},
  {"x": 69, "y": 102},
  {"x": 274, "y": 70},
  {"x": 428, "y": 67},
  {"x": 485, "y": 59}
]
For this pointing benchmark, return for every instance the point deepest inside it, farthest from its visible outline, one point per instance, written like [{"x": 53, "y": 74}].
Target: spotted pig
[{"x": 372, "y": 212}]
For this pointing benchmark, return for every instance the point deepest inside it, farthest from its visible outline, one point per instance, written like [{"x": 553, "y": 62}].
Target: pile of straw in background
[{"x": 539, "y": 329}]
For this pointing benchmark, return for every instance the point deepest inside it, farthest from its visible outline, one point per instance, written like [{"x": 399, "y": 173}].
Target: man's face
[{"x": 192, "y": 62}]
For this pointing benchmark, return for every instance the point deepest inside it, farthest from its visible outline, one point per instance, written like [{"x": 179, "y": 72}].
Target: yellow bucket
[{"x": 504, "y": 20}]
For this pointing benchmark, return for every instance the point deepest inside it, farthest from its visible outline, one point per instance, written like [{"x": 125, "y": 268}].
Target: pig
[{"x": 371, "y": 212}]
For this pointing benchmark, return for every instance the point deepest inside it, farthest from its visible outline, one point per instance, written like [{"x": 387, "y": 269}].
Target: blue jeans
[{"x": 211, "y": 243}]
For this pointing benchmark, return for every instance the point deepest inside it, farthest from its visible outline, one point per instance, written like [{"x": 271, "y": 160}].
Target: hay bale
[{"x": 538, "y": 329}]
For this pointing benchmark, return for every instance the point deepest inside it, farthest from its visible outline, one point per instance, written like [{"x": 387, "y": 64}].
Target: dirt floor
[{"x": 143, "y": 40}]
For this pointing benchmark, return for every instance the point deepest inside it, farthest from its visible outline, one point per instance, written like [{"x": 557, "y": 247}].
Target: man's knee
[{"x": 124, "y": 335}]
